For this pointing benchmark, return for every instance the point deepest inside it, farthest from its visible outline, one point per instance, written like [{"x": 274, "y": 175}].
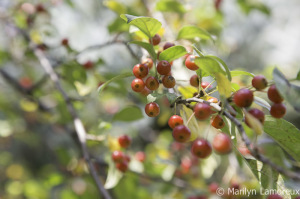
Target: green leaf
[
  {"x": 128, "y": 114},
  {"x": 113, "y": 176},
  {"x": 154, "y": 96},
  {"x": 117, "y": 25},
  {"x": 237, "y": 73},
  {"x": 74, "y": 71},
  {"x": 262, "y": 102},
  {"x": 172, "y": 53},
  {"x": 235, "y": 87},
  {"x": 193, "y": 32},
  {"x": 147, "y": 25},
  {"x": 115, "y": 6},
  {"x": 146, "y": 46},
  {"x": 298, "y": 75},
  {"x": 223, "y": 64},
  {"x": 285, "y": 134},
  {"x": 209, "y": 65},
  {"x": 253, "y": 166},
  {"x": 193, "y": 125},
  {"x": 128, "y": 74},
  {"x": 170, "y": 6},
  {"x": 224, "y": 85},
  {"x": 171, "y": 97},
  {"x": 187, "y": 91},
  {"x": 287, "y": 90}
]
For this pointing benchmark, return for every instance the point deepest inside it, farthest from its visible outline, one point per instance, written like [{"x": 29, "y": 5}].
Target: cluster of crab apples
[
  {"x": 121, "y": 159},
  {"x": 243, "y": 99}
]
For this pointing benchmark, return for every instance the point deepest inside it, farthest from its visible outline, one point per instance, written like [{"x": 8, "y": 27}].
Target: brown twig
[{"x": 80, "y": 130}]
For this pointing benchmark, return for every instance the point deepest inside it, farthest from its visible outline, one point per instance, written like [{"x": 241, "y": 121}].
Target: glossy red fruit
[
  {"x": 204, "y": 85},
  {"x": 213, "y": 187},
  {"x": 278, "y": 110},
  {"x": 137, "y": 85},
  {"x": 124, "y": 141},
  {"x": 65, "y": 42},
  {"x": 152, "y": 83},
  {"x": 259, "y": 82},
  {"x": 217, "y": 122},
  {"x": 202, "y": 111},
  {"x": 163, "y": 67},
  {"x": 88, "y": 65},
  {"x": 181, "y": 133},
  {"x": 122, "y": 166},
  {"x": 152, "y": 109},
  {"x": 194, "y": 81},
  {"x": 40, "y": 8},
  {"x": 190, "y": 63},
  {"x": 274, "y": 196},
  {"x": 222, "y": 143},
  {"x": 117, "y": 156},
  {"x": 140, "y": 71},
  {"x": 258, "y": 114},
  {"x": 243, "y": 97},
  {"x": 274, "y": 95},
  {"x": 155, "y": 40},
  {"x": 201, "y": 148},
  {"x": 148, "y": 62},
  {"x": 168, "y": 45},
  {"x": 140, "y": 156},
  {"x": 127, "y": 158},
  {"x": 235, "y": 186},
  {"x": 168, "y": 81},
  {"x": 244, "y": 150},
  {"x": 175, "y": 120}
]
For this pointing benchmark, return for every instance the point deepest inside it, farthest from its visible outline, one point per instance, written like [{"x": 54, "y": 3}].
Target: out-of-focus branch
[{"x": 80, "y": 130}]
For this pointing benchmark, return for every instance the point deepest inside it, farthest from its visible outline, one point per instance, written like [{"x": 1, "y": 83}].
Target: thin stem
[{"x": 190, "y": 118}]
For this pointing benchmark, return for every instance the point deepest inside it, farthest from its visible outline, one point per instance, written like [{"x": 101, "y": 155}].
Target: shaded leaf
[
  {"x": 171, "y": 97},
  {"x": 154, "y": 96},
  {"x": 128, "y": 114},
  {"x": 298, "y": 75},
  {"x": 262, "y": 102},
  {"x": 113, "y": 176},
  {"x": 209, "y": 65},
  {"x": 288, "y": 91},
  {"x": 193, "y": 32},
  {"x": 223, "y": 64},
  {"x": 172, "y": 53},
  {"x": 170, "y": 6},
  {"x": 193, "y": 125},
  {"x": 115, "y": 6},
  {"x": 224, "y": 85},
  {"x": 285, "y": 134},
  {"x": 237, "y": 73},
  {"x": 146, "y": 46},
  {"x": 147, "y": 25},
  {"x": 254, "y": 123}
]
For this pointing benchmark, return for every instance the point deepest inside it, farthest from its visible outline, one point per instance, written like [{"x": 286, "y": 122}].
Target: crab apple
[
  {"x": 204, "y": 85},
  {"x": 181, "y": 133},
  {"x": 202, "y": 111},
  {"x": 152, "y": 109},
  {"x": 259, "y": 82},
  {"x": 168, "y": 45},
  {"x": 140, "y": 71},
  {"x": 25, "y": 82},
  {"x": 124, "y": 141},
  {"x": 137, "y": 85},
  {"x": 127, "y": 158},
  {"x": 163, "y": 67},
  {"x": 222, "y": 143},
  {"x": 140, "y": 156},
  {"x": 201, "y": 148},
  {"x": 117, "y": 156},
  {"x": 65, "y": 42},
  {"x": 278, "y": 110},
  {"x": 217, "y": 122},
  {"x": 213, "y": 187},
  {"x": 274, "y": 95},
  {"x": 243, "y": 97},
  {"x": 258, "y": 114},
  {"x": 40, "y": 8},
  {"x": 213, "y": 100},
  {"x": 274, "y": 196},
  {"x": 145, "y": 91},
  {"x": 244, "y": 150},
  {"x": 235, "y": 186},
  {"x": 122, "y": 166},
  {"x": 88, "y": 65},
  {"x": 190, "y": 62},
  {"x": 155, "y": 40},
  {"x": 152, "y": 83},
  {"x": 175, "y": 120},
  {"x": 194, "y": 80},
  {"x": 148, "y": 62},
  {"x": 168, "y": 81}
]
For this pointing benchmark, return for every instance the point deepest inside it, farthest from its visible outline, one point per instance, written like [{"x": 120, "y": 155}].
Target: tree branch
[{"x": 79, "y": 128}]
